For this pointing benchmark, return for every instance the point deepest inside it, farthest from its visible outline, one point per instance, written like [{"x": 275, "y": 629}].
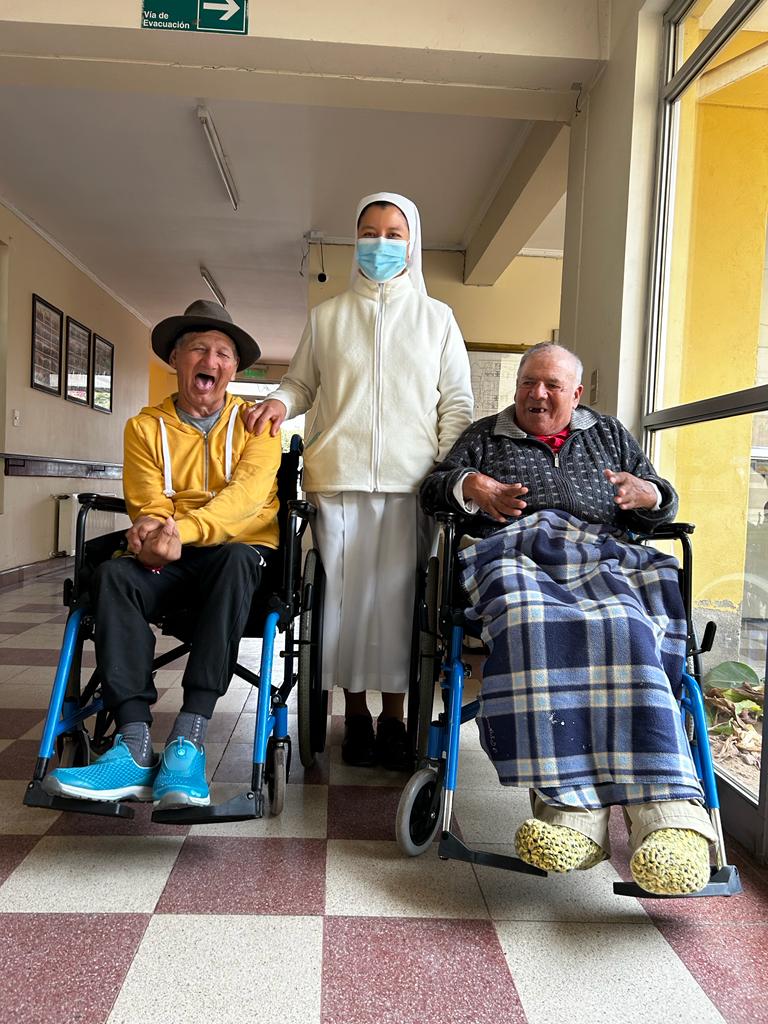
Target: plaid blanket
[{"x": 586, "y": 634}]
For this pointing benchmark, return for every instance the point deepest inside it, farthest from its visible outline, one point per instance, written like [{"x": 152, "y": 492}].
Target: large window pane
[
  {"x": 714, "y": 312},
  {"x": 720, "y": 469}
]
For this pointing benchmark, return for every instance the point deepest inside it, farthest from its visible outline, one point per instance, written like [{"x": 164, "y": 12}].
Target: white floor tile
[
  {"x": 368, "y": 878},
  {"x": 576, "y": 896},
  {"x": 227, "y": 969},
  {"x": 590, "y": 974},
  {"x": 304, "y": 816},
  {"x": 29, "y": 695},
  {"x": 91, "y": 874},
  {"x": 490, "y": 814}
]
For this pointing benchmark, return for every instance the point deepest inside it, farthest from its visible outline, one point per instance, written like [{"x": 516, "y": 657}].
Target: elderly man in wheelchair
[
  {"x": 201, "y": 492},
  {"x": 586, "y": 632}
]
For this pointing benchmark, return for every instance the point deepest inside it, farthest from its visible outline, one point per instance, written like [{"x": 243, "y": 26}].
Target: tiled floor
[{"x": 314, "y": 916}]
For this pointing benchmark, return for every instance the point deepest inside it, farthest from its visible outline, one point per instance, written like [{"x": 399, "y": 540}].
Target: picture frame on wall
[
  {"x": 103, "y": 365},
  {"x": 77, "y": 377},
  {"x": 47, "y": 325}
]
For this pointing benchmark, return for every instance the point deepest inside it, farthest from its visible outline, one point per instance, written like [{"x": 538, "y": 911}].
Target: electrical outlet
[{"x": 16, "y": 417}]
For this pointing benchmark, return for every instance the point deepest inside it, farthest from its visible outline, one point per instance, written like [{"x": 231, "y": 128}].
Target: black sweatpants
[{"x": 218, "y": 583}]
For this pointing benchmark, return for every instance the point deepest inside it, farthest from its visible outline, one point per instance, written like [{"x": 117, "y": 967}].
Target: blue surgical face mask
[{"x": 381, "y": 259}]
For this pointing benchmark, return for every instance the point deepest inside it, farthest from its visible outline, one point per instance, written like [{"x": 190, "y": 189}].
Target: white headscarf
[{"x": 411, "y": 214}]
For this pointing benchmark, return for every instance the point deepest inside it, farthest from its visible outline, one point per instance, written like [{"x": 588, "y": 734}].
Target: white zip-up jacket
[{"x": 385, "y": 372}]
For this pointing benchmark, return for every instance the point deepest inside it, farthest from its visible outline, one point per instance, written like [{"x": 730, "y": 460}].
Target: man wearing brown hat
[{"x": 202, "y": 496}]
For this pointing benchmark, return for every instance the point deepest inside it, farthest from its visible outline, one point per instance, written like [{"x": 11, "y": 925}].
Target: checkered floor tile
[{"x": 314, "y": 916}]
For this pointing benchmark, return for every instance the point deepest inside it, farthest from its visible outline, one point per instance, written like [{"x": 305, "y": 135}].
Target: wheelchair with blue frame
[
  {"x": 426, "y": 803},
  {"x": 78, "y": 727}
]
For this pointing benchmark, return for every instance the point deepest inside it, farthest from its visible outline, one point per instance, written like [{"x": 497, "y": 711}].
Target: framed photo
[
  {"x": 47, "y": 323},
  {"x": 103, "y": 374},
  {"x": 77, "y": 378}
]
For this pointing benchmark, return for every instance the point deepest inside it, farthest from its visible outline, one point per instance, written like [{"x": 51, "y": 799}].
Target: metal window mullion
[
  {"x": 717, "y": 37},
  {"x": 737, "y": 403}
]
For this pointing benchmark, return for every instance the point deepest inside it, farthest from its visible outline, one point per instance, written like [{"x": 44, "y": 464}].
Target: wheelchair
[
  {"x": 285, "y": 594},
  {"x": 426, "y": 803}
]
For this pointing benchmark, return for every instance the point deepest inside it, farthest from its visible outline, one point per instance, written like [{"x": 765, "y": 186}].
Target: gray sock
[
  {"x": 190, "y": 726},
  {"x": 136, "y": 737}
]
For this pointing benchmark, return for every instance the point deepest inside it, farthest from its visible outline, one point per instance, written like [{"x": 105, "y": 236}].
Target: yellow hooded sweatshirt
[{"x": 220, "y": 489}]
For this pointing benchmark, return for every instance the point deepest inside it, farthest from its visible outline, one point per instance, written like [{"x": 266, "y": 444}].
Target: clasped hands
[
  {"x": 505, "y": 501},
  {"x": 155, "y": 543}
]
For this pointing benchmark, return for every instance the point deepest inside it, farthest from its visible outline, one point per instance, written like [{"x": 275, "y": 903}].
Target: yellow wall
[
  {"x": 522, "y": 308},
  {"x": 51, "y": 426},
  {"x": 715, "y": 291}
]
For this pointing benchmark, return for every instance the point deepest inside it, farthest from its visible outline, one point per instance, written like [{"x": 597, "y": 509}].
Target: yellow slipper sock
[
  {"x": 556, "y": 847},
  {"x": 671, "y": 862}
]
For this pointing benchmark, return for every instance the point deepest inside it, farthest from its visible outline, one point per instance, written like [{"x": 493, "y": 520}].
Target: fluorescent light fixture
[
  {"x": 218, "y": 294},
  {"x": 209, "y": 129}
]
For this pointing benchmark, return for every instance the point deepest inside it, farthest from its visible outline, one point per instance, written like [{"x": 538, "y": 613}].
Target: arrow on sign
[{"x": 229, "y": 7}]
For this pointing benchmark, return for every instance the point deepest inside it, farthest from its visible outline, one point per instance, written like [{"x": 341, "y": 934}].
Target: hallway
[{"x": 315, "y": 916}]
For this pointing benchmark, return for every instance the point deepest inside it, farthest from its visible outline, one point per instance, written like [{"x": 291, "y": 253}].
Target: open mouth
[{"x": 205, "y": 382}]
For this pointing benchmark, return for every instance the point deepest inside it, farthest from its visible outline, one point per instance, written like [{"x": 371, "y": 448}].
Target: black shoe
[
  {"x": 392, "y": 745},
  {"x": 359, "y": 745}
]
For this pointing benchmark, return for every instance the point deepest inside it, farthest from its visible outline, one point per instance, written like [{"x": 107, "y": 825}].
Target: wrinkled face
[
  {"x": 384, "y": 222},
  {"x": 205, "y": 363},
  {"x": 547, "y": 393}
]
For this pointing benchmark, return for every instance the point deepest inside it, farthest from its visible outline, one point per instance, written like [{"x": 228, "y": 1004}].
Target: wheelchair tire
[
  {"x": 418, "y": 820},
  {"x": 277, "y": 777},
  {"x": 312, "y": 698},
  {"x": 73, "y": 749}
]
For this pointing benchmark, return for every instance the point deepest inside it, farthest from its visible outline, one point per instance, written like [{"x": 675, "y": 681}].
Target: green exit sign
[{"x": 229, "y": 16}]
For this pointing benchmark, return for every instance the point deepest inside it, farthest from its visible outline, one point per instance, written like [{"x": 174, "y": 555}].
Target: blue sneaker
[
  {"x": 114, "y": 776},
  {"x": 180, "y": 779}
]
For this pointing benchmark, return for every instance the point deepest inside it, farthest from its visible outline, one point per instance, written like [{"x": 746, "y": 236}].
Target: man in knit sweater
[{"x": 544, "y": 453}]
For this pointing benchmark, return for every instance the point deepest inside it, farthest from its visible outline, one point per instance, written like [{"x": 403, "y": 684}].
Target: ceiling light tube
[
  {"x": 218, "y": 294},
  {"x": 209, "y": 129}
]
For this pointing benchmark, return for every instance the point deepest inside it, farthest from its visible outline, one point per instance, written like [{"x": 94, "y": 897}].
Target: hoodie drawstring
[
  {"x": 168, "y": 490},
  {"x": 228, "y": 445}
]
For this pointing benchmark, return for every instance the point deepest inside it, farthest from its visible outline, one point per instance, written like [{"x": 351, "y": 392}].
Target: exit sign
[{"x": 229, "y": 16}]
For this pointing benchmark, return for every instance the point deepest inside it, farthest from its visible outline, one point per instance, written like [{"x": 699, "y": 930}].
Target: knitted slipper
[
  {"x": 556, "y": 847},
  {"x": 671, "y": 862}
]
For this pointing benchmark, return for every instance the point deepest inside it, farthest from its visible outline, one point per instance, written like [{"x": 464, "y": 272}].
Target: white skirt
[{"x": 369, "y": 547}]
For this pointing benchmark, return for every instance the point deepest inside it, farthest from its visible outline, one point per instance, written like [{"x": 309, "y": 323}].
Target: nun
[{"x": 383, "y": 372}]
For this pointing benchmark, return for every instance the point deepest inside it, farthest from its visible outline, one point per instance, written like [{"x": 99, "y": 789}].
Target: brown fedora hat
[{"x": 204, "y": 315}]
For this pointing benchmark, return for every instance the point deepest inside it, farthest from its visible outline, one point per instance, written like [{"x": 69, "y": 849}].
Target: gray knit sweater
[{"x": 571, "y": 480}]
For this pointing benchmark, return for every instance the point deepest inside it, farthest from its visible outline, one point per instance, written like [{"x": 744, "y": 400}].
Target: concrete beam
[{"x": 536, "y": 182}]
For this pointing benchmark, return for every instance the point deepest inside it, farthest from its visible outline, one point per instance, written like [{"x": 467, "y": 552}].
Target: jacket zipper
[{"x": 377, "y": 346}]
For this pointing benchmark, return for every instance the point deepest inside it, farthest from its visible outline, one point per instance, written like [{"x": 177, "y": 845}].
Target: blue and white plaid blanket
[{"x": 586, "y": 634}]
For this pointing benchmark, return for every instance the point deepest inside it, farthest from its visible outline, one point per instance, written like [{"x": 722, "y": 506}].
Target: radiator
[{"x": 66, "y": 509}]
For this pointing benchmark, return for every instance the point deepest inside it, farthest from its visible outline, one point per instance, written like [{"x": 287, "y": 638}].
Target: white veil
[{"x": 411, "y": 214}]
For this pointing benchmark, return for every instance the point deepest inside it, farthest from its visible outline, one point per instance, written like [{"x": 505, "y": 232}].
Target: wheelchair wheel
[
  {"x": 277, "y": 776},
  {"x": 428, "y": 663},
  {"x": 73, "y": 749},
  {"x": 312, "y": 698},
  {"x": 418, "y": 813}
]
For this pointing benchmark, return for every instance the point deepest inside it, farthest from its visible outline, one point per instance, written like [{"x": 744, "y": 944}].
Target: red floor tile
[
  {"x": 362, "y": 812},
  {"x": 14, "y": 722},
  {"x": 13, "y": 850},
  {"x": 12, "y": 628},
  {"x": 216, "y": 875},
  {"x": 17, "y": 761},
  {"x": 52, "y": 607},
  {"x": 28, "y": 656},
  {"x": 394, "y": 971},
  {"x": 65, "y": 967},
  {"x": 728, "y": 961}
]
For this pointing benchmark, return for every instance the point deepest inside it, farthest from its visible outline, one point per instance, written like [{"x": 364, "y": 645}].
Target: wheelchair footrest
[
  {"x": 452, "y": 848},
  {"x": 243, "y": 807},
  {"x": 36, "y": 796},
  {"x": 723, "y": 881}
]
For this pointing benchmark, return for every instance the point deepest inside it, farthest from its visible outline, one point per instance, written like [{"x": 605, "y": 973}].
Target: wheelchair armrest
[
  {"x": 445, "y": 517},
  {"x": 666, "y": 531},
  {"x": 103, "y": 502}
]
